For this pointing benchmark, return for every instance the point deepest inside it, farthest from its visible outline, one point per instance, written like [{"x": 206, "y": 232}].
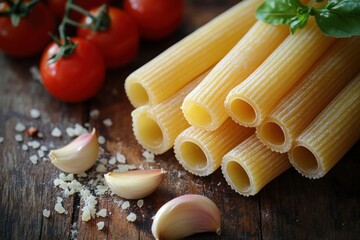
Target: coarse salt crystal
[
  {"x": 56, "y": 132},
  {"x": 34, "y": 113},
  {"x": 103, "y": 161},
  {"x": 24, "y": 147},
  {"x": 79, "y": 130},
  {"x": 101, "y": 140},
  {"x": 102, "y": 213},
  {"x": 94, "y": 113},
  {"x": 70, "y": 132},
  {"x": 100, "y": 225},
  {"x": 19, "y": 127},
  {"x": 120, "y": 157},
  {"x": 34, "y": 144},
  {"x": 107, "y": 122},
  {"x": 101, "y": 168},
  {"x": 112, "y": 160},
  {"x": 46, "y": 213},
  {"x": 131, "y": 217},
  {"x": 34, "y": 159},
  {"x": 140, "y": 203},
  {"x": 2, "y": 139},
  {"x": 125, "y": 205},
  {"x": 44, "y": 148}
]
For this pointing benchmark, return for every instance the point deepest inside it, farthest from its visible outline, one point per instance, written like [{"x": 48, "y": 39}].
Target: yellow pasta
[
  {"x": 305, "y": 101},
  {"x": 200, "y": 151},
  {"x": 204, "y": 106},
  {"x": 326, "y": 140},
  {"x": 178, "y": 65},
  {"x": 156, "y": 127},
  {"x": 252, "y": 100},
  {"x": 250, "y": 166}
]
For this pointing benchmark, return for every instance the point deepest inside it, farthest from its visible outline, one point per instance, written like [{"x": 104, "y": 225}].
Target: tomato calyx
[
  {"x": 66, "y": 48},
  {"x": 18, "y": 9},
  {"x": 99, "y": 22}
]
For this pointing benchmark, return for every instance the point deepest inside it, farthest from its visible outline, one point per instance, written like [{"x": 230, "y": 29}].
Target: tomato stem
[{"x": 18, "y": 9}]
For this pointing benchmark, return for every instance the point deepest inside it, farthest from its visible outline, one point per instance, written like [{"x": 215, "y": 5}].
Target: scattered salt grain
[
  {"x": 124, "y": 168},
  {"x": 131, "y": 217},
  {"x": 46, "y": 213},
  {"x": 40, "y": 135},
  {"x": 73, "y": 231},
  {"x": 34, "y": 159},
  {"x": 140, "y": 203},
  {"x": 2, "y": 139},
  {"x": 82, "y": 175},
  {"x": 102, "y": 213},
  {"x": 56, "y": 132},
  {"x": 103, "y": 161},
  {"x": 120, "y": 157},
  {"x": 79, "y": 130},
  {"x": 100, "y": 225},
  {"x": 70, "y": 132},
  {"x": 40, "y": 153},
  {"x": 94, "y": 113},
  {"x": 149, "y": 156},
  {"x": 34, "y": 113},
  {"x": 24, "y": 147},
  {"x": 101, "y": 168},
  {"x": 107, "y": 122},
  {"x": 19, "y": 127},
  {"x": 34, "y": 144},
  {"x": 44, "y": 148},
  {"x": 112, "y": 160},
  {"x": 125, "y": 205},
  {"x": 101, "y": 140},
  {"x": 19, "y": 138}
]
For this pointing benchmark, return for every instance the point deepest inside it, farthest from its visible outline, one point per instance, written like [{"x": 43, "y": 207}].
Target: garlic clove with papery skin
[
  {"x": 77, "y": 156},
  {"x": 186, "y": 215},
  {"x": 134, "y": 184}
]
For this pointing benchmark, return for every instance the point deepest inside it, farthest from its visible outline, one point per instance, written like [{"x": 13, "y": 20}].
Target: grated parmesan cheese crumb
[
  {"x": 102, "y": 213},
  {"x": 140, "y": 203},
  {"x": 19, "y": 127},
  {"x": 125, "y": 205},
  {"x": 34, "y": 113},
  {"x": 131, "y": 217},
  {"x": 58, "y": 206},
  {"x": 90, "y": 202},
  {"x": 94, "y": 113},
  {"x": 56, "y": 132},
  {"x": 46, "y": 213},
  {"x": 100, "y": 225}
]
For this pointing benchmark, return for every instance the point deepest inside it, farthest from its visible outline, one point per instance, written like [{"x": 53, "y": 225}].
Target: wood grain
[{"x": 291, "y": 207}]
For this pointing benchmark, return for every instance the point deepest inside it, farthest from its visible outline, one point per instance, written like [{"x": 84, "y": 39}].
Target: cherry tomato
[
  {"x": 58, "y": 7},
  {"x": 156, "y": 18},
  {"x": 30, "y": 36},
  {"x": 119, "y": 43},
  {"x": 73, "y": 78}
]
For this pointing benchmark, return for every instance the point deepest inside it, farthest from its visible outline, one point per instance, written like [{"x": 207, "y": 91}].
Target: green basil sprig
[{"x": 337, "y": 18}]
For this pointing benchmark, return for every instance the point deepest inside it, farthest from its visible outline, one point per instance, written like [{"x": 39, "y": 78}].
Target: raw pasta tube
[
  {"x": 181, "y": 63},
  {"x": 309, "y": 97},
  {"x": 250, "y": 101},
  {"x": 251, "y": 165},
  {"x": 156, "y": 127},
  {"x": 200, "y": 151},
  {"x": 204, "y": 106},
  {"x": 326, "y": 140}
]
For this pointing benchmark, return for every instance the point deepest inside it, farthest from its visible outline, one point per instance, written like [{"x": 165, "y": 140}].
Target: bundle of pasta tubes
[{"x": 287, "y": 88}]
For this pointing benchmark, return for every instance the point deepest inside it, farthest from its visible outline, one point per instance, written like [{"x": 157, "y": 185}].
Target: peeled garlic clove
[
  {"x": 134, "y": 184},
  {"x": 186, "y": 215},
  {"x": 78, "y": 156}
]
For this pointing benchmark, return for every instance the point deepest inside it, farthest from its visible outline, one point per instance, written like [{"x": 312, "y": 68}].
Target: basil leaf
[
  {"x": 348, "y": 7},
  {"x": 337, "y": 24},
  {"x": 277, "y": 12},
  {"x": 299, "y": 21}
]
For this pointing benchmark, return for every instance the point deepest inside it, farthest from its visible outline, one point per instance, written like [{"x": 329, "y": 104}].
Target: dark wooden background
[{"x": 290, "y": 207}]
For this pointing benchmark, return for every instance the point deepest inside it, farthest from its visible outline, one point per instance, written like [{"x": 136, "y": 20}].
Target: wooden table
[{"x": 290, "y": 207}]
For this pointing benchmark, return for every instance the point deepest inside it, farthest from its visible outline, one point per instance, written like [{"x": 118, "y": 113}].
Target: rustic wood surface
[{"x": 290, "y": 207}]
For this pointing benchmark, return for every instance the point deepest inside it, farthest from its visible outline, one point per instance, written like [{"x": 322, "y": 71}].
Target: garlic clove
[
  {"x": 134, "y": 184},
  {"x": 186, "y": 215},
  {"x": 77, "y": 156}
]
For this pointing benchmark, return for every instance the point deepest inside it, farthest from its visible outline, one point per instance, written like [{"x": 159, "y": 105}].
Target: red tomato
[
  {"x": 156, "y": 18},
  {"x": 119, "y": 43},
  {"x": 58, "y": 7},
  {"x": 31, "y": 35},
  {"x": 74, "y": 78}
]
